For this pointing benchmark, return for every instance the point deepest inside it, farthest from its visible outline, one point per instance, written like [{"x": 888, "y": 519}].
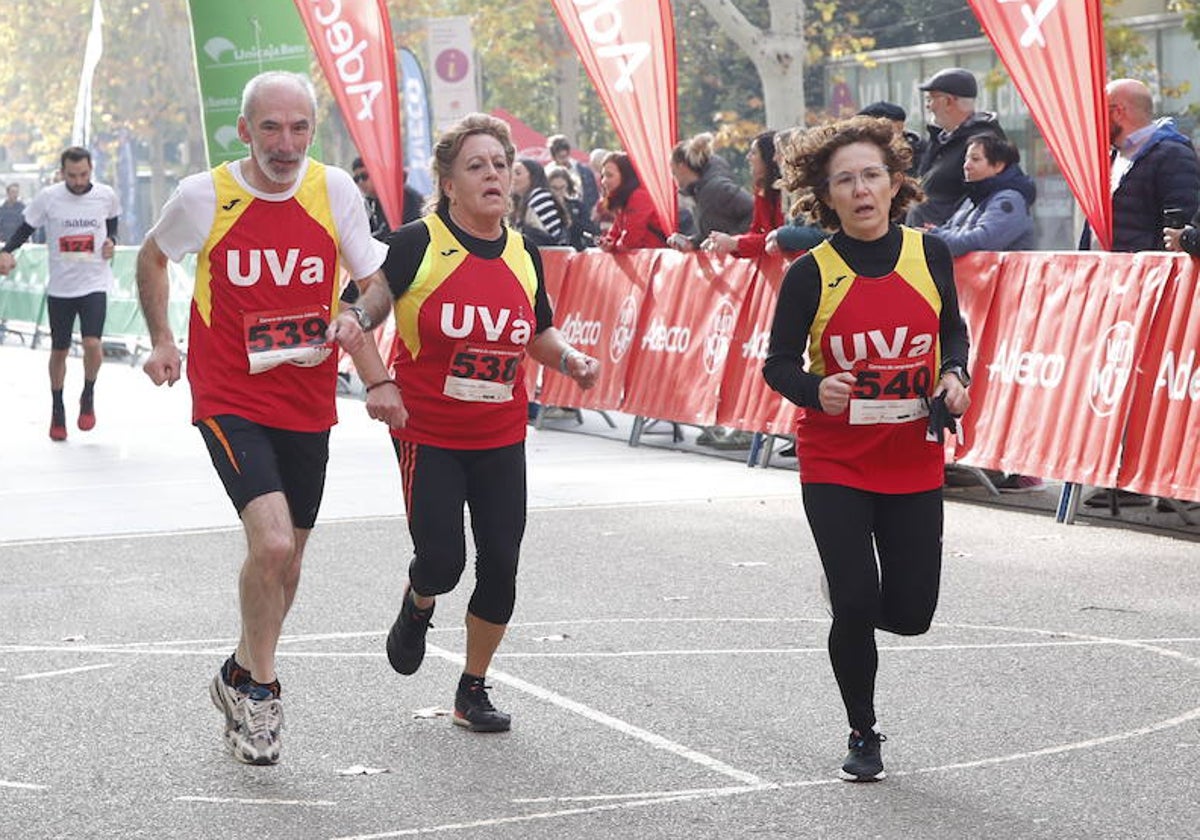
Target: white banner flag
[{"x": 81, "y": 131}]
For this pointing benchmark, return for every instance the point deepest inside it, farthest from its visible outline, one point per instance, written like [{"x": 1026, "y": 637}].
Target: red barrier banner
[
  {"x": 353, "y": 43},
  {"x": 1062, "y": 340},
  {"x": 747, "y": 402},
  {"x": 1162, "y": 444},
  {"x": 628, "y": 51},
  {"x": 688, "y": 326},
  {"x": 976, "y": 276},
  {"x": 554, "y": 269},
  {"x": 600, "y": 311}
]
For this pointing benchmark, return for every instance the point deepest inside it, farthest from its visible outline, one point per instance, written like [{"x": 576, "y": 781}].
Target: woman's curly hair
[{"x": 806, "y": 166}]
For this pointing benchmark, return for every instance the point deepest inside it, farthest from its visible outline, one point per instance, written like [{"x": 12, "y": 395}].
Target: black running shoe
[
  {"x": 406, "y": 641},
  {"x": 863, "y": 762},
  {"x": 475, "y": 711}
]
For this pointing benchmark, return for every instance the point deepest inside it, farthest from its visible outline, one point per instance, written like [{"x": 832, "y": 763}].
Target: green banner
[
  {"x": 23, "y": 295},
  {"x": 234, "y": 42}
]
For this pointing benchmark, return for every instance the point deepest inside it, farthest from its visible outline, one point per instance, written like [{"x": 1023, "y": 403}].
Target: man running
[
  {"x": 80, "y": 218},
  {"x": 272, "y": 232}
]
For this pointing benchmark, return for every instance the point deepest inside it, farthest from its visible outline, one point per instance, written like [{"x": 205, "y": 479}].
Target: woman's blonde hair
[
  {"x": 805, "y": 165},
  {"x": 451, "y": 143}
]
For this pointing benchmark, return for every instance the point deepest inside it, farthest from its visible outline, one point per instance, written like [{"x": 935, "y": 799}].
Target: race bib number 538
[
  {"x": 286, "y": 336},
  {"x": 482, "y": 372},
  {"x": 890, "y": 390}
]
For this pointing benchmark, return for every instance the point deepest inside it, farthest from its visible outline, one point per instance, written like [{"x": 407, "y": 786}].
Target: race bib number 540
[
  {"x": 286, "y": 336},
  {"x": 890, "y": 391}
]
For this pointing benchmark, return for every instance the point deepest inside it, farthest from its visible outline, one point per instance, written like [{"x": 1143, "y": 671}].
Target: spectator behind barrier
[
  {"x": 768, "y": 203},
  {"x": 1154, "y": 169},
  {"x": 898, "y": 117},
  {"x": 798, "y": 235},
  {"x": 582, "y": 231},
  {"x": 950, "y": 99},
  {"x": 720, "y": 204},
  {"x": 635, "y": 222},
  {"x": 537, "y": 215},
  {"x": 994, "y": 215},
  {"x": 589, "y": 191}
]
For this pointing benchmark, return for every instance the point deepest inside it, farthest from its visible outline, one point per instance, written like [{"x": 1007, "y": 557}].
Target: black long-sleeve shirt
[{"x": 800, "y": 295}]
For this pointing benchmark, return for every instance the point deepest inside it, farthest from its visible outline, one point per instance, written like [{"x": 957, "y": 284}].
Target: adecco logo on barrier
[
  {"x": 1027, "y": 368},
  {"x": 624, "y": 330},
  {"x": 580, "y": 333},
  {"x": 720, "y": 335},
  {"x": 1111, "y": 369},
  {"x": 1182, "y": 378}
]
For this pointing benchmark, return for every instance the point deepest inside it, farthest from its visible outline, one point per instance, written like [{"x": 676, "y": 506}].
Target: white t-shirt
[
  {"x": 187, "y": 217},
  {"x": 76, "y": 227}
]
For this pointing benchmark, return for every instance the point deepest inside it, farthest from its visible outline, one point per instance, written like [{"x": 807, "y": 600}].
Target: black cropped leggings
[
  {"x": 437, "y": 484},
  {"x": 882, "y": 555}
]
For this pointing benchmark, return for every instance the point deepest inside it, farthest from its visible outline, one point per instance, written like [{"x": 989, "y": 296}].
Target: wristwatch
[
  {"x": 961, "y": 373},
  {"x": 360, "y": 314}
]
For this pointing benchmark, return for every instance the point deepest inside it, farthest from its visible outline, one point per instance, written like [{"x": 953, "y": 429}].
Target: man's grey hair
[{"x": 251, "y": 91}]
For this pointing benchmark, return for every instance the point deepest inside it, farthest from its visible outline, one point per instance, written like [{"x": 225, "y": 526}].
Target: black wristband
[{"x": 375, "y": 385}]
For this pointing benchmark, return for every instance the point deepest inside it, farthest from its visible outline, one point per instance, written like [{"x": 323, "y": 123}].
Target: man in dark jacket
[
  {"x": 1154, "y": 169},
  {"x": 950, "y": 99}
]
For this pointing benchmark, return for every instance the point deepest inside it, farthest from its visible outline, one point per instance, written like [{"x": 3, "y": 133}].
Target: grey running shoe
[
  {"x": 475, "y": 711},
  {"x": 253, "y": 721},
  {"x": 406, "y": 640},
  {"x": 864, "y": 763}
]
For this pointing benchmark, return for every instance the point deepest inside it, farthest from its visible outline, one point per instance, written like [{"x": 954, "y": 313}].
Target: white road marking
[
  {"x": 233, "y": 800},
  {"x": 22, "y": 785},
  {"x": 65, "y": 671},
  {"x": 616, "y": 724}
]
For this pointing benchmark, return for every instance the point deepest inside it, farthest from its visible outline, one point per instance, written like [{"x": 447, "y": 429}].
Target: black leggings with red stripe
[
  {"x": 437, "y": 484},
  {"x": 882, "y": 555}
]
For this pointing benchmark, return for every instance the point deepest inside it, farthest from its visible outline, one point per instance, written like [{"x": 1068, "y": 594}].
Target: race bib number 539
[
  {"x": 286, "y": 336},
  {"x": 890, "y": 390}
]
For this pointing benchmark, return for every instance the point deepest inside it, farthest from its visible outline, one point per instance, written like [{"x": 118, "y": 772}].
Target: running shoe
[
  {"x": 58, "y": 424},
  {"x": 475, "y": 711},
  {"x": 406, "y": 640},
  {"x": 864, "y": 763},
  {"x": 253, "y": 721},
  {"x": 87, "y": 414}
]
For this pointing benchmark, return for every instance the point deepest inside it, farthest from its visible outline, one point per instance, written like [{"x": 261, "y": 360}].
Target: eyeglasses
[
  {"x": 870, "y": 176},
  {"x": 359, "y": 177}
]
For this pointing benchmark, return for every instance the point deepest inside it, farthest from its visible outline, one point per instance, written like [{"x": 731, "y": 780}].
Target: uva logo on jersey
[
  {"x": 876, "y": 344},
  {"x": 245, "y": 268},
  {"x": 459, "y": 322}
]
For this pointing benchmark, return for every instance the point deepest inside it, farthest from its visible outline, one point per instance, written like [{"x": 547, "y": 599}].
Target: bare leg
[
  {"x": 268, "y": 581},
  {"x": 483, "y": 637},
  {"x": 58, "y": 369},
  {"x": 93, "y": 357}
]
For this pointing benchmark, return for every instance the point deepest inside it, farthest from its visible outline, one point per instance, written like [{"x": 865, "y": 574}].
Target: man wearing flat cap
[
  {"x": 897, "y": 115},
  {"x": 950, "y": 99}
]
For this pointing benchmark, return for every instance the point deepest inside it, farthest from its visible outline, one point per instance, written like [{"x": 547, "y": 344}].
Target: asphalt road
[{"x": 665, "y": 668}]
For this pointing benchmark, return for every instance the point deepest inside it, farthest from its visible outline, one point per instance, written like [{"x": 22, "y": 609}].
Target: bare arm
[
  {"x": 384, "y": 401},
  {"x": 164, "y": 364},
  {"x": 552, "y": 350}
]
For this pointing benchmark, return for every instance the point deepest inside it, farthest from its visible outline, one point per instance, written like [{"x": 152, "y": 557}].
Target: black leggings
[
  {"x": 491, "y": 483},
  {"x": 898, "y": 593}
]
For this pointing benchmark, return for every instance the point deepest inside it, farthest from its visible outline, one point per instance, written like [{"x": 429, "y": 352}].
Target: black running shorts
[
  {"x": 254, "y": 460},
  {"x": 62, "y": 311}
]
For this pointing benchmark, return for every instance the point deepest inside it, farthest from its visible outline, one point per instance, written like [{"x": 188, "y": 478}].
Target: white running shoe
[{"x": 252, "y": 723}]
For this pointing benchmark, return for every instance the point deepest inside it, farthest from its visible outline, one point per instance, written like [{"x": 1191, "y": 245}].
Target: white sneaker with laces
[{"x": 252, "y": 723}]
